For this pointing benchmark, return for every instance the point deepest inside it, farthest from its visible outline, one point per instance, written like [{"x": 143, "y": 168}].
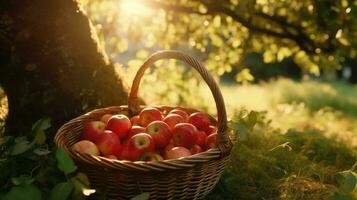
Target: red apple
[
  {"x": 139, "y": 144},
  {"x": 200, "y": 120},
  {"x": 173, "y": 119},
  {"x": 119, "y": 124},
  {"x": 148, "y": 115},
  {"x": 124, "y": 154},
  {"x": 134, "y": 120},
  {"x": 178, "y": 152},
  {"x": 211, "y": 129},
  {"x": 196, "y": 149},
  {"x": 86, "y": 146},
  {"x": 184, "y": 135},
  {"x": 179, "y": 112},
  {"x": 211, "y": 141},
  {"x": 160, "y": 133},
  {"x": 93, "y": 130},
  {"x": 135, "y": 130},
  {"x": 109, "y": 143},
  {"x": 150, "y": 156},
  {"x": 105, "y": 118},
  {"x": 167, "y": 148},
  {"x": 201, "y": 138}
]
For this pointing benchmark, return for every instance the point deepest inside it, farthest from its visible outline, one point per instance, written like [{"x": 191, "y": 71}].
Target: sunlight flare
[{"x": 134, "y": 8}]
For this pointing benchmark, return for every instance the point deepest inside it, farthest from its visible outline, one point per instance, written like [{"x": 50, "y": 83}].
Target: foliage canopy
[{"x": 316, "y": 34}]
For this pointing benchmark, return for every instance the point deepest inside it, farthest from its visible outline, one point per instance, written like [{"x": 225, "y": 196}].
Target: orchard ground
[
  {"x": 305, "y": 135},
  {"x": 295, "y": 144}
]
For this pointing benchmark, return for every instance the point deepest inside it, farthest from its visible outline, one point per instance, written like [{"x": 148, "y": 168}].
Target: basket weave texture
[{"x": 190, "y": 177}]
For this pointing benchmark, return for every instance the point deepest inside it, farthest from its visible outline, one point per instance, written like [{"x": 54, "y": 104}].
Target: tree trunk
[{"x": 51, "y": 64}]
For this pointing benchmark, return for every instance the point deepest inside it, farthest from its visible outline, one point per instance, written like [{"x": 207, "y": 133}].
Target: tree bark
[{"x": 51, "y": 64}]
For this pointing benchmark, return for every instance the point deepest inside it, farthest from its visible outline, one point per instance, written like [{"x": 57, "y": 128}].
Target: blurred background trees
[{"x": 253, "y": 40}]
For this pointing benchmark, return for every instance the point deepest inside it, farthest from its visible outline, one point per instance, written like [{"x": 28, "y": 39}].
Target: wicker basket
[{"x": 187, "y": 178}]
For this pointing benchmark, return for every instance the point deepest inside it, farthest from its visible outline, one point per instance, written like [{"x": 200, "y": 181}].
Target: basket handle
[{"x": 223, "y": 143}]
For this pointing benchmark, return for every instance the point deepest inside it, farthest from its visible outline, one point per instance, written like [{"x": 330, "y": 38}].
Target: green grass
[
  {"x": 306, "y": 134},
  {"x": 330, "y": 108}
]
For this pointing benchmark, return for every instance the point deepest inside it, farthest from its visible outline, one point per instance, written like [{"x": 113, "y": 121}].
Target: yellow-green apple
[
  {"x": 179, "y": 112},
  {"x": 173, "y": 119},
  {"x": 201, "y": 138},
  {"x": 196, "y": 149},
  {"x": 184, "y": 135},
  {"x": 200, "y": 120},
  {"x": 105, "y": 118},
  {"x": 109, "y": 143},
  {"x": 93, "y": 130},
  {"x": 119, "y": 124},
  {"x": 134, "y": 120},
  {"x": 148, "y": 115},
  {"x": 177, "y": 152},
  {"x": 135, "y": 130},
  {"x": 86, "y": 146},
  {"x": 160, "y": 133},
  {"x": 139, "y": 144},
  {"x": 211, "y": 141},
  {"x": 151, "y": 156},
  {"x": 211, "y": 129}
]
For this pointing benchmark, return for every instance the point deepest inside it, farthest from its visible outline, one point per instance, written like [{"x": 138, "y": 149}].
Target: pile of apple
[{"x": 149, "y": 136}]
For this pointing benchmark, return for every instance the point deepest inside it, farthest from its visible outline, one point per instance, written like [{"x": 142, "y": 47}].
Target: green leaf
[
  {"x": 22, "y": 180},
  {"x": 142, "y": 196},
  {"x": 347, "y": 181},
  {"x": 251, "y": 120},
  {"x": 217, "y": 21},
  {"x": 38, "y": 129},
  {"x": 216, "y": 40},
  {"x": 23, "y": 192},
  {"x": 83, "y": 179},
  {"x": 65, "y": 162},
  {"x": 41, "y": 151},
  {"x": 268, "y": 57},
  {"x": 81, "y": 187},
  {"x": 241, "y": 130},
  {"x": 61, "y": 191},
  {"x": 42, "y": 124},
  {"x": 244, "y": 76},
  {"x": 21, "y": 146},
  {"x": 202, "y": 9},
  {"x": 40, "y": 137}
]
